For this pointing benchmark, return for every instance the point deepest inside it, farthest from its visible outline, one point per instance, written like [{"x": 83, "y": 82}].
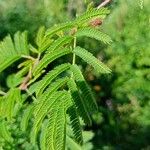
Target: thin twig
[
  {"x": 26, "y": 80},
  {"x": 103, "y": 4},
  {"x": 23, "y": 85}
]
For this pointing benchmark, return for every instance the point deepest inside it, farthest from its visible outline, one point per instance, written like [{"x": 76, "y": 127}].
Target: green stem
[
  {"x": 28, "y": 57},
  {"x": 74, "y": 56}
]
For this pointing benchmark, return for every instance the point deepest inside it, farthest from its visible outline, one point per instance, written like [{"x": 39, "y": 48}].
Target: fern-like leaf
[
  {"x": 54, "y": 128},
  {"x": 54, "y": 99},
  {"x": 11, "y": 52},
  {"x": 50, "y": 76},
  {"x": 55, "y": 138},
  {"x": 43, "y": 135},
  {"x": 7, "y": 63},
  {"x": 12, "y": 96},
  {"x": 25, "y": 118},
  {"x": 59, "y": 43},
  {"x": 40, "y": 36},
  {"x": 45, "y": 44},
  {"x": 54, "y": 30},
  {"x": 49, "y": 57},
  {"x": 20, "y": 42},
  {"x": 79, "y": 103},
  {"x": 75, "y": 124},
  {"x": 86, "y": 92},
  {"x": 52, "y": 88},
  {"x": 42, "y": 41},
  {"x": 101, "y": 13},
  {"x": 91, "y": 60},
  {"x": 94, "y": 33},
  {"x": 51, "y": 127}
]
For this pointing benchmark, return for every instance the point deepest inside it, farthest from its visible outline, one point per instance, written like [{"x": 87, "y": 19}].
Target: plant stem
[
  {"x": 28, "y": 57},
  {"x": 74, "y": 56}
]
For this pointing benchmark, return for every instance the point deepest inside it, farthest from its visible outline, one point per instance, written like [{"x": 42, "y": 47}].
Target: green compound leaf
[{"x": 91, "y": 60}]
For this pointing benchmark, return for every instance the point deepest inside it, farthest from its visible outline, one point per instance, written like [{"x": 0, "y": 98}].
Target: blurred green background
[{"x": 123, "y": 121}]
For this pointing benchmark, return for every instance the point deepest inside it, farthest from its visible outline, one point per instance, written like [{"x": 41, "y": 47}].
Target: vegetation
[
  {"x": 125, "y": 94},
  {"x": 56, "y": 92}
]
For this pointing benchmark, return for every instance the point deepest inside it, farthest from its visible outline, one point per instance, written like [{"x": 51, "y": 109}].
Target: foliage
[
  {"x": 123, "y": 120},
  {"x": 29, "y": 15},
  {"x": 131, "y": 50},
  {"x": 50, "y": 101},
  {"x": 125, "y": 95}
]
